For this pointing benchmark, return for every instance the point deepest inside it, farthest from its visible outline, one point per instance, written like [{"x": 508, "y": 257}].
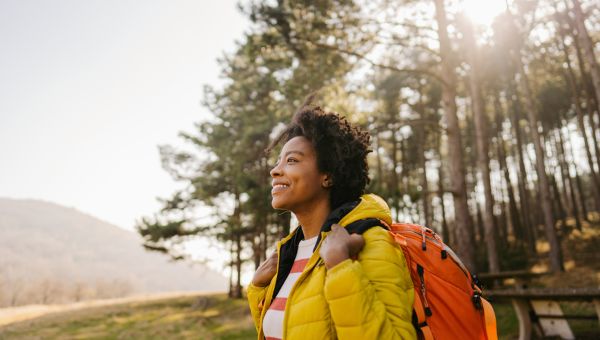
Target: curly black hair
[{"x": 341, "y": 148}]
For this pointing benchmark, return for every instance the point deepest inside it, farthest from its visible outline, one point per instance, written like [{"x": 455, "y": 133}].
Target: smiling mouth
[{"x": 278, "y": 188}]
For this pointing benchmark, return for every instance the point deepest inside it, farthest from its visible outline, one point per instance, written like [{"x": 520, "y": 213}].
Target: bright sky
[
  {"x": 88, "y": 89},
  {"x": 483, "y": 12}
]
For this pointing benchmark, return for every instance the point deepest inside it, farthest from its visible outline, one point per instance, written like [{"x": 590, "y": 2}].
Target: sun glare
[{"x": 483, "y": 12}]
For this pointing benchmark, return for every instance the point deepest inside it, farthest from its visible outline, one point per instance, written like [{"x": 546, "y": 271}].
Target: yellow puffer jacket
[{"x": 370, "y": 298}]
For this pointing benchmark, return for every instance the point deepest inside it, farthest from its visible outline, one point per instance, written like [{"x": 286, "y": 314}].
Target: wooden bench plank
[
  {"x": 538, "y": 310},
  {"x": 555, "y": 326},
  {"x": 585, "y": 294}
]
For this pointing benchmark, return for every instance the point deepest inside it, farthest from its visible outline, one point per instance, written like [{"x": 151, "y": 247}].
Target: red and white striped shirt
[{"x": 273, "y": 321}]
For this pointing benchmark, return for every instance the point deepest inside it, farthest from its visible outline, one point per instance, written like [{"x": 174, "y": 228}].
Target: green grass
[
  {"x": 200, "y": 317},
  {"x": 506, "y": 321}
]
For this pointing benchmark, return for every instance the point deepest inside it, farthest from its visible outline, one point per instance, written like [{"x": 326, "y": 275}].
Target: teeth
[{"x": 280, "y": 186}]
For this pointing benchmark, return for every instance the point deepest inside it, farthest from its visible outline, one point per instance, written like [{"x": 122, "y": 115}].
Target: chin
[{"x": 277, "y": 203}]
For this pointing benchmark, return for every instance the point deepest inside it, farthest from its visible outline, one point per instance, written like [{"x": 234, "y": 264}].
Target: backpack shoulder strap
[
  {"x": 423, "y": 329},
  {"x": 490, "y": 320},
  {"x": 361, "y": 226}
]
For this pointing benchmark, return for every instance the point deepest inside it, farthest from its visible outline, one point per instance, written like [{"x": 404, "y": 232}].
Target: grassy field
[{"x": 190, "y": 317}]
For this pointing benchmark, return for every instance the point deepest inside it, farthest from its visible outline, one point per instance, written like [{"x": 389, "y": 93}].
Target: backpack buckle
[{"x": 476, "y": 298}]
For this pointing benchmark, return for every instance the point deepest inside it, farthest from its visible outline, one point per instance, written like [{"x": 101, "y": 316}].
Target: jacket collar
[{"x": 289, "y": 245}]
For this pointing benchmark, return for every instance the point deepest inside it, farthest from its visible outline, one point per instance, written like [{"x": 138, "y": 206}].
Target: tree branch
[{"x": 373, "y": 63}]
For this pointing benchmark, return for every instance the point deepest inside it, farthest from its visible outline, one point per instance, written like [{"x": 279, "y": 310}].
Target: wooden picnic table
[{"x": 538, "y": 309}]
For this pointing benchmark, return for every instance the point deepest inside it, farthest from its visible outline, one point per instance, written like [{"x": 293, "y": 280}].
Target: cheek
[{"x": 313, "y": 184}]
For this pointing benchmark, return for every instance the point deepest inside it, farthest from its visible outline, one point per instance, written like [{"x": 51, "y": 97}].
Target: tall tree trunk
[
  {"x": 579, "y": 111},
  {"x": 575, "y": 207},
  {"x": 463, "y": 227},
  {"x": 406, "y": 210},
  {"x": 559, "y": 211},
  {"x": 395, "y": 190},
  {"x": 482, "y": 142},
  {"x": 518, "y": 228},
  {"x": 479, "y": 225},
  {"x": 564, "y": 174},
  {"x": 230, "y": 292},
  {"x": 588, "y": 48},
  {"x": 471, "y": 182},
  {"x": 580, "y": 191},
  {"x": 424, "y": 181},
  {"x": 555, "y": 255},
  {"x": 445, "y": 231},
  {"x": 380, "y": 178},
  {"x": 501, "y": 222},
  {"x": 525, "y": 200},
  {"x": 256, "y": 257},
  {"x": 422, "y": 137},
  {"x": 591, "y": 98},
  {"x": 584, "y": 208},
  {"x": 236, "y": 292}
]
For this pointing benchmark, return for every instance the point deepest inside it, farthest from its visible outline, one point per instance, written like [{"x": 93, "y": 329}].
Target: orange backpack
[{"x": 448, "y": 304}]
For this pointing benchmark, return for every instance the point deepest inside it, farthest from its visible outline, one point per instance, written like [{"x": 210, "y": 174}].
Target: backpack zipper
[
  {"x": 447, "y": 250},
  {"x": 423, "y": 235},
  {"x": 421, "y": 272}
]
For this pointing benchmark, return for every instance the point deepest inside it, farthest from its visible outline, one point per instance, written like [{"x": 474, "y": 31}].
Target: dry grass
[
  {"x": 22, "y": 313},
  {"x": 182, "y": 317}
]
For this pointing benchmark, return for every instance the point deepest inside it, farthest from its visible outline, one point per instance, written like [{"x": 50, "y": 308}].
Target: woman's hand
[
  {"x": 339, "y": 246},
  {"x": 265, "y": 272}
]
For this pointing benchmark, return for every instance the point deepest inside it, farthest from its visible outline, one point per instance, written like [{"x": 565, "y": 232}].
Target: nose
[{"x": 276, "y": 171}]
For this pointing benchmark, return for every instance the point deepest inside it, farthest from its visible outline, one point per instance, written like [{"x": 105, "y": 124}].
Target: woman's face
[{"x": 298, "y": 186}]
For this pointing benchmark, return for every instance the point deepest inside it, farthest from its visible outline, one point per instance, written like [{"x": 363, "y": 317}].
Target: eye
[{"x": 292, "y": 160}]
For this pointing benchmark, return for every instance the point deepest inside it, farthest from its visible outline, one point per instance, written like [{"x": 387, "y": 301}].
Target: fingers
[
  {"x": 355, "y": 244},
  {"x": 266, "y": 271},
  {"x": 273, "y": 256},
  {"x": 269, "y": 262},
  {"x": 338, "y": 229}
]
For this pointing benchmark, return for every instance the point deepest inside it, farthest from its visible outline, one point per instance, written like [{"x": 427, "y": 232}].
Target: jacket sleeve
[
  {"x": 256, "y": 297},
  {"x": 372, "y": 298}
]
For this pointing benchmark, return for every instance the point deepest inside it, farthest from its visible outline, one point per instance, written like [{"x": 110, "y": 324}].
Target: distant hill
[{"x": 50, "y": 252}]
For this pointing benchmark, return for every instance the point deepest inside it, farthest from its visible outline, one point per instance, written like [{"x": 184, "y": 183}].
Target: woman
[{"x": 322, "y": 282}]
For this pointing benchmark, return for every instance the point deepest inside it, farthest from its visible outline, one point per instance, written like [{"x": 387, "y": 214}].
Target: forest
[{"x": 486, "y": 132}]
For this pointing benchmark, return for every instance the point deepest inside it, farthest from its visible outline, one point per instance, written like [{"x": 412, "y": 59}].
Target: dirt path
[{"x": 23, "y": 313}]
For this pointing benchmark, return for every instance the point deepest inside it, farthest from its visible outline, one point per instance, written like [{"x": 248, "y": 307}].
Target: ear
[{"x": 327, "y": 182}]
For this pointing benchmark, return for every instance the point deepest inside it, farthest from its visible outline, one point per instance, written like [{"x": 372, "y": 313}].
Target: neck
[{"x": 312, "y": 219}]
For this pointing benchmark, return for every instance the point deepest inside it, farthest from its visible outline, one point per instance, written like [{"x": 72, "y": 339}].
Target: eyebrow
[
  {"x": 294, "y": 151},
  {"x": 291, "y": 152}
]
